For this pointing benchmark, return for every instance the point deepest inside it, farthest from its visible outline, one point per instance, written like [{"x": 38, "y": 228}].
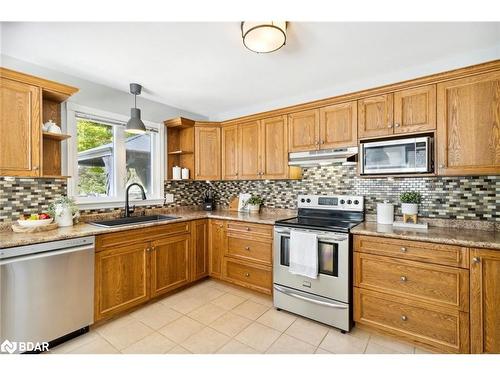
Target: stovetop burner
[{"x": 319, "y": 223}]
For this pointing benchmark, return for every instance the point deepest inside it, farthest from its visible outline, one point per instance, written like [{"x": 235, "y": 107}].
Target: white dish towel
[{"x": 303, "y": 254}]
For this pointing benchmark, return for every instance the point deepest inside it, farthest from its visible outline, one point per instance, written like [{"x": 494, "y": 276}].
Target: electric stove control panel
[{"x": 332, "y": 202}]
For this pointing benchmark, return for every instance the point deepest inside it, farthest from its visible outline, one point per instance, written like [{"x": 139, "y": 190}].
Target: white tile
[
  {"x": 152, "y": 344},
  {"x": 339, "y": 343},
  {"x": 250, "y": 309},
  {"x": 228, "y": 301},
  {"x": 187, "y": 304},
  {"x": 230, "y": 324},
  {"x": 123, "y": 336},
  {"x": 205, "y": 341},
  {"x": 97, "y": 346},
  {"x": 156, "y": 315},
  {"x": 279, "y": 320},
  {"x": 289, "y": 345},
  {"x": 322, "y": 351},
  {"x": 179, "y": 350},
  {"x": 373, "y": 348},
  {"x": 308, "y": 331},
  {"x": 391, "y": 343},
  {"x": 179, "y": 330},
  {"x": 206, "y": 314},
  {"x": 236, "y": 347},
  {"x": 258, "y": 336}
]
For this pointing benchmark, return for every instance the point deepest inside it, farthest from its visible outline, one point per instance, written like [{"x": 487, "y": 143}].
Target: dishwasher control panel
[{"x": 11, "y": 252}]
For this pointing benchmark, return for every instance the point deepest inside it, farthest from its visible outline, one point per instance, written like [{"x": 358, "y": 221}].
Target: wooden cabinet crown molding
[
  {"x": 179, "y": 122},
  {"x": 58, "y": 90}
]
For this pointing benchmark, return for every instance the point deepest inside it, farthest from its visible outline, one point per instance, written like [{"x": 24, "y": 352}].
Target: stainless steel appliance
[
  {"x": 46, "y": 290},
  {"x": 328, "y": 298},
  {"x": 405, "y": 155},
  {"x": 344, "y": 156}
]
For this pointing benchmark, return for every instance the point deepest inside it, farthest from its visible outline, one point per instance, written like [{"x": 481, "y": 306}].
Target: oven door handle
[
  {"x": 331, "y": 239},
  {"x": 304, "y": 298}
]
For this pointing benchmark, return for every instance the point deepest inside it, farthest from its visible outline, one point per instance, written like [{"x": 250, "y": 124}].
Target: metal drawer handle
[
  {"x": 404, "y": 318},
  {"x": 403, "y": 278},
  {"x": 247, "y": 228},
  {"x": 247, "y": 274},
  {"x": 403, "y": 249},
  {"x": 476, "y": 260},
  {"x": 247, "y": 247}
]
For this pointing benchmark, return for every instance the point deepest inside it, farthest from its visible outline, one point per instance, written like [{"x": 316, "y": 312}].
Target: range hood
[{"x": 344, "y": 156}]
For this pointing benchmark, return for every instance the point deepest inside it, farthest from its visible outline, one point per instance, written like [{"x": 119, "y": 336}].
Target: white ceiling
[{"x": 204, "y": 68}]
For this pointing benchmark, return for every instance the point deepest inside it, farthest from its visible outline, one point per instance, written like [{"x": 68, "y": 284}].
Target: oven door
[{"x": 333, "y": 256}]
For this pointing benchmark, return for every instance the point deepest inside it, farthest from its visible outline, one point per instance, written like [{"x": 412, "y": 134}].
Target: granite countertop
[
  {"x": 452, "y": 236},
  {"x": 266, "y": 216}
]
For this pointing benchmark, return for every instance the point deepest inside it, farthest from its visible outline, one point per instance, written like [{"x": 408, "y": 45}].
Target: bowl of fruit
[{"x": 35, "y": 220}]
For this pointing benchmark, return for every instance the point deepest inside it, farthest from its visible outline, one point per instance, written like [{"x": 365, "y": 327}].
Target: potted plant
[
  {"x": 254, "y": 203},
  {"x": 64, "y": 210},
  {"x": 409, "y": 202}
]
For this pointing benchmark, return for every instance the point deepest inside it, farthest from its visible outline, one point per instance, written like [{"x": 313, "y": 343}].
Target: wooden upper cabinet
[
  {"x": 415, "y": 110},
  {"x": 249, "y": 150},
  {"x": 120, "y": 279},
  {"x": 230, "y": 152},
  {"x": 485, "y": 301},
  {"x": 208, "y": 151},
  {"x": 375, "y": 116},
  {"x": 169, "y": 263},
  {"x": 20, "y": 129},
  {"x": 199, "y": 251},
  {"x": 274, "y": 137},
  {"x": 303, "y": 131},
  {"x": 468, "y": 125},
  {"x": 339, "y": 125},
  {"x": 217, "y": 241}
]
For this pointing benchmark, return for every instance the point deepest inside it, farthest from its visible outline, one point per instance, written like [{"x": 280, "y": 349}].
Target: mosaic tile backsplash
[{"x": 473, "y": 198}]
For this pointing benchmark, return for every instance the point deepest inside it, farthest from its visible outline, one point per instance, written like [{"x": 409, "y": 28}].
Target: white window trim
[{"x": 71, "y": 165}]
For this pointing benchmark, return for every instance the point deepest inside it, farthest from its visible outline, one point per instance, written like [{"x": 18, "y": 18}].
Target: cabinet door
[
  {"x": 415, "y": 110},
  {"x": 217, "y": 243},
  {"x": 169, "y": 263},
  {"x": 485, "y": 301},
  {"x": 339, "y": 125},
  {"x": 274, "y": 138},
  {"x": 249, "y": 151},
  {"x": 207, "y": 153},
  {"x": 199, "y": 251},
  {"x": 303, "y": 131},
  {"x": 468, "y": 125},
  {"x": 230, "y": 152},
  {"x": 20, "y": 129},
  {"x": 375, "y": 116},
  {"x": 120, "y": 279}
]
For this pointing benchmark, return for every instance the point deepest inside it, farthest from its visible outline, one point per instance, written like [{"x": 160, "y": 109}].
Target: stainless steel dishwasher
[{"x": 46, "y": 291}]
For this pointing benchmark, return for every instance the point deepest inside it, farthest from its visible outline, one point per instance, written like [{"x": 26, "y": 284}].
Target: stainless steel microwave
[{"x": 406, "y": 155}]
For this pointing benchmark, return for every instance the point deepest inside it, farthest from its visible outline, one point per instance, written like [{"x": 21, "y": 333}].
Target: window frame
[{"x": 70, "y": 165}]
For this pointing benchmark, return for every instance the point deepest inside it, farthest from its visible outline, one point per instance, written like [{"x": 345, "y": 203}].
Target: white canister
[
  {"x": 385, "y": 213},
  {"x": 176, "y": 173},
  {"x": 185, "y": 174},
  {"x": 64, "y": 216}
]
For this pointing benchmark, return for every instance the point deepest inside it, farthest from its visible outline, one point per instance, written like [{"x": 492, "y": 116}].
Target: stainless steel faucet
[{"x": 129, "y": 210}]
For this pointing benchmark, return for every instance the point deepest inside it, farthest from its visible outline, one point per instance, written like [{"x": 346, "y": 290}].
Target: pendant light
[
  {"x": 263, "y": 37},
  {"x": 135, "y": 124}
]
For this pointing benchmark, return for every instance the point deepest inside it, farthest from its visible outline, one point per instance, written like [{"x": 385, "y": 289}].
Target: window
[{"x": 103, "y": 159}]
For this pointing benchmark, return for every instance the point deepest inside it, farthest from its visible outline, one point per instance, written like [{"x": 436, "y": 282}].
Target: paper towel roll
[{"x": 385, "y": 213}]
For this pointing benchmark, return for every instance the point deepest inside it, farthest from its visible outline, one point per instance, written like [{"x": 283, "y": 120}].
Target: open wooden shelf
[
  {"x": 55, "y": 136},
  {"x": 171, "y": 179}
]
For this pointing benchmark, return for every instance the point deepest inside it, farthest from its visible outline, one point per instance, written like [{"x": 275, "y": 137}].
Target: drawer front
[
  {"x": 447, "y": 255},
  {"x": 104, "y": 241},
  {"x": 251, "y": 250},
  {"x": 430, "y": 283},
  {"x": 249, "y": 275},
  {"x": 250, "y": 229},
  {"x": 443, "y": 329}
]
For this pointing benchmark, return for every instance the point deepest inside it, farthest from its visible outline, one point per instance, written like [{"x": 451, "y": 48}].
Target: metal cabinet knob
[
  {"x": 389, "y": 126},
  {"x": 247, "y": 228},
  {"x": 441, "y": 165},
  {"x": 36, "y": 168},
  {"x": 476, "y": 260},
  {"x": 404, "y": 318},
  {"x": 403, "y": 249},
  {"x": 322, "y": 142},
  {"x": 220, "y": 225},
  {"x": 247, "y": 247},
  {"x": 247, "y": 274},
  {"x": 403, "y": 278},
  {"x": 396, "y": 125}
]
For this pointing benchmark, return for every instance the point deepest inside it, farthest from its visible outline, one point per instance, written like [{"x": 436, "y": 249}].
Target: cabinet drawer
[
  {"x": 140, "y": 235},
  {"x": 249, "y": 249},
  {"x": 430, "y": 283},
  {"x": 250, "y": 229},
  {"x": 249, "y": 275},
  {"x": 442, "y": 329},
  {"x": 447, "y": 255}
]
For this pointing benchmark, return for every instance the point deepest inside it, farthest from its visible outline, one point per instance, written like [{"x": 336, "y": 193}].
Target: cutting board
[{"x": 233, "y": 204}]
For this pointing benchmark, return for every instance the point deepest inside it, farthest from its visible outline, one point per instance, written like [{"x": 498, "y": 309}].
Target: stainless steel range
[{"x": 328, "y": 297}]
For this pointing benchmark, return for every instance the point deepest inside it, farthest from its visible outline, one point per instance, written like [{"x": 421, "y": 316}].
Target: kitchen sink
[{"x": 132, "y": 220}]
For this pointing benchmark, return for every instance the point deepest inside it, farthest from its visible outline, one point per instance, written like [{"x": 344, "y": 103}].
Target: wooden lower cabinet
[
  {"x": 485, "y": 301},
  {"x": 438, "y": 328},
  {"x": 199, "y": 258},
  {"x": 121, "y": 279},
  {"x": 249, "y": 275},
  {"x": 169, "y": 263},
  {"x": 217, "y": 240}
]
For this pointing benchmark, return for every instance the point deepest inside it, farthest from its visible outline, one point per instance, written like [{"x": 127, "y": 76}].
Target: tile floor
[{"x": 215, "y": 317}]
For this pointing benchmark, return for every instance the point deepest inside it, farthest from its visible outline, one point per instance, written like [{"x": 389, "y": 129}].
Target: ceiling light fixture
[
  {"x": 263, "y": 37},
  {"x": 135, "y": 124}
]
